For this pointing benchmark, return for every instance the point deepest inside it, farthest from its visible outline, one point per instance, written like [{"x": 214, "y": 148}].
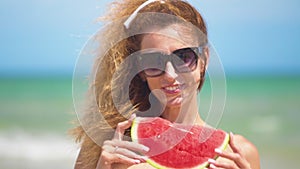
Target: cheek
[
  {"x": 153, "y": 83},
  {"x": 197, "y": 74},
  {"x": 193, "y": 78}
]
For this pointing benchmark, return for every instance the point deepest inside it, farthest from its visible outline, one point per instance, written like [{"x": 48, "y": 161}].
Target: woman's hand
[
  {"x": 236, "y": 156},
  {"x": 119, "y": 151}
]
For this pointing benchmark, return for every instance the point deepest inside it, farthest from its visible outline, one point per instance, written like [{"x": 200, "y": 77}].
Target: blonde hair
[{"x": 101, "y": 114}]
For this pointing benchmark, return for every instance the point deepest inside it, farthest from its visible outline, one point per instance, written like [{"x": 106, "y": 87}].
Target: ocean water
[
  {"x": 36, "y": 113},
  {"x": 265, "y": 110}
]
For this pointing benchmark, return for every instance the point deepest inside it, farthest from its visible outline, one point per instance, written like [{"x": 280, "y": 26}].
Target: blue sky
[{"x": 252, "y": 37}]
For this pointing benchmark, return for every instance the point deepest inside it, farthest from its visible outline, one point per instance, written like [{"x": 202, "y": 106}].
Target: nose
[{"x": 170, "y": 72}]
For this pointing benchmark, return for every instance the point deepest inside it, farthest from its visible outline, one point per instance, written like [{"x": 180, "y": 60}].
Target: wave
[{"x": 20, "y": 149}]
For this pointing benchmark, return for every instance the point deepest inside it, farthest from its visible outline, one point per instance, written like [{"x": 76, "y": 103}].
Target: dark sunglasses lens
[
  {"x": 188, "y": 60},
  {"x": 151, "y": 72},
  {"x": 152, "y": 63}
]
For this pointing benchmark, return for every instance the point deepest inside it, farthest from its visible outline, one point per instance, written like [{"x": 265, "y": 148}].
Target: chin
[{"x": 174, "y": 102}]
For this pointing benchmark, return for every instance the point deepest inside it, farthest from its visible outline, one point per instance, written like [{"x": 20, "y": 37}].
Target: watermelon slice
[{"x": 177, "y": 146}]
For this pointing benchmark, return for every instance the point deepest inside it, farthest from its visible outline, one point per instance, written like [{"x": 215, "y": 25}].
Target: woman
[{"x": 158, "y": 50}]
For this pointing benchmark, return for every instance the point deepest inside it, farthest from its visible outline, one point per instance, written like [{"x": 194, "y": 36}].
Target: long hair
[{"x": 101, "y": 114}]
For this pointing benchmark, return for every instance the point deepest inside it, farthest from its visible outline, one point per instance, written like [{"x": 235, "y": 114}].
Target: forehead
[{"x": 169, "y": 38}]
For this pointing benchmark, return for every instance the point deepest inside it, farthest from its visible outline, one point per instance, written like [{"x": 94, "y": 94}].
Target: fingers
[
  {"x": 119, "y": 151},
  {"x": 110, "y": 145},
  {"x": 132, "y": 146},
  {"x": 238, "y": 161},
  {"x": 122, "y": 126},
  {"x": 218, "y": 165},
  {"x": 232, "y": 144},
  {"x": 128, "y": 153},
  {"x": 107, "y": 159},
  {"x": 116, "y": 151},
  {"x": 236, "y": 158}
]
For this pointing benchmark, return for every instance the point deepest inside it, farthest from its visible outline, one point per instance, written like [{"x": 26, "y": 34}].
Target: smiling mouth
[{"x": 172, "y": 89}]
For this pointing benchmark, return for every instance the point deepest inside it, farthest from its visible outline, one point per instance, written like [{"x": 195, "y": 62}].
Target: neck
[
  {"x": 173, "y": 116},
  {"x": 171, "y": 113},
  {"x": 186, "y": 114}
]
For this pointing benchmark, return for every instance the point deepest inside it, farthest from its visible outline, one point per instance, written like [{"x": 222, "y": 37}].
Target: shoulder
[
  {"x": 248, "y": 150},
  {"x": 246, "y": 147}
]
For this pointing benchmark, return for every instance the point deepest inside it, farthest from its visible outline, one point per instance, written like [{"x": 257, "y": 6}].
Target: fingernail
[
  {"x": 218, "y": 151},
  {"x": 137, "y": 161},
  {"x": 132, "y": 117},
  {"x": 231, "y": 136},
  {"x": 211, "y": 161},
  {"x": 145, "y": 148},
  {"x": 212, "y": 166},
  {"x": 144, "y": 158}
]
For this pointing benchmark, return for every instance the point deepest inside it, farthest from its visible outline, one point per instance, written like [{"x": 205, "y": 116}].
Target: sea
[{"x": 36, "y": 114}]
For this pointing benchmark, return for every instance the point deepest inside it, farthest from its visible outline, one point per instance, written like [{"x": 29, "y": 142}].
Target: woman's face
[{"x": 170, "y": 87}]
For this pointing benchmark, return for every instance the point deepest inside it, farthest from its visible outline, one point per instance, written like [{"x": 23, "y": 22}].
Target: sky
[{"x": 251, "y": 37}]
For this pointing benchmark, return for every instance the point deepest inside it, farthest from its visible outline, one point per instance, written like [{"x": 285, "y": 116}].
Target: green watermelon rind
[{"x": 134, "y": 138}]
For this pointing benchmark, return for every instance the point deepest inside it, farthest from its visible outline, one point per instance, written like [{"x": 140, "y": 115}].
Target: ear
[
  {"x": 206, "y": 55},
  {"x": 203, "y": 70}
]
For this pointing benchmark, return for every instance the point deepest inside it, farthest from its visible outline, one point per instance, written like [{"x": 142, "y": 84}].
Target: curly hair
[{"x": 116, "y": 43}]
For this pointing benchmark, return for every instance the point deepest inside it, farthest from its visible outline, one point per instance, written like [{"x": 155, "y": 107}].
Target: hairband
[{"x": 133, "y": 15}]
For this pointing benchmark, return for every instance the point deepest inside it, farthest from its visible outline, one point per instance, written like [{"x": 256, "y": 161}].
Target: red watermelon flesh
[{"x": 176, "y": 145}]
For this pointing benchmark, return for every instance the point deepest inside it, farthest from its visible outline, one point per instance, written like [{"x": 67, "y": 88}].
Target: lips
[{"x": 173, "y": 89}]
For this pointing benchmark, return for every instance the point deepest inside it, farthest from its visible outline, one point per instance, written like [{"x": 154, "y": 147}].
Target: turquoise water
[
  {"x": 36, "y": 104},
  {"x": 266, "y": 110}
]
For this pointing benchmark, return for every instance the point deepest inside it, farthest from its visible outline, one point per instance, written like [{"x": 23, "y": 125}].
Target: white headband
[{"x": 133, "y": 15}]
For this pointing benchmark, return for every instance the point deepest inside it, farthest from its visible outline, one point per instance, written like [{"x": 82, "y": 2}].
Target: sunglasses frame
[{"x": 198, "y": 51}]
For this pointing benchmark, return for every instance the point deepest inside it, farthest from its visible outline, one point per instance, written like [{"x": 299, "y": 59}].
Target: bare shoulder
[
  {"x": 246, "y": 147},
  {"x": 248, "y": 150}
]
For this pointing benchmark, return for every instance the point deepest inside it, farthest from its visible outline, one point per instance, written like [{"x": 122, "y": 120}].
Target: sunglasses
[{"x": 183, "y": 60}]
